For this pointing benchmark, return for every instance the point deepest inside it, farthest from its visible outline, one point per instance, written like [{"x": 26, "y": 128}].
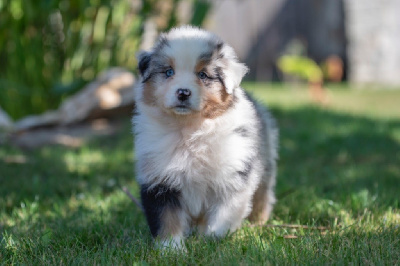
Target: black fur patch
[
  {"x": 219, "y": 45},
  {"x": 155, "y": 200},
  {"x": 248, "y": 166},
  {"x": 144, "y": 62}
]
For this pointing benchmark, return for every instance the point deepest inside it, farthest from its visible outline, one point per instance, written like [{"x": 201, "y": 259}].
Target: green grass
[{"x": 339, "y": 167}]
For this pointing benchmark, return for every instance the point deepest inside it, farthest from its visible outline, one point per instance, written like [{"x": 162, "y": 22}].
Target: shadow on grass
[{"x": 331, "y": 165}]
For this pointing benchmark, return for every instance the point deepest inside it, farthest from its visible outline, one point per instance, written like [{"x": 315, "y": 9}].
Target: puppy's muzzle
[{"x": 183, "y": 94}]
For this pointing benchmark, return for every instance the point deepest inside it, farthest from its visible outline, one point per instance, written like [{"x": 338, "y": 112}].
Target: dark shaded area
[{"x": 319, "y": 25}]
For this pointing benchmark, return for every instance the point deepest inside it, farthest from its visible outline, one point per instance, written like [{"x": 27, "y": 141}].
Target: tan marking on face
[
  {"x": 201, "y": 65},
  {"x": 170, "y": 223},
  {"x": 216, "y": 103},
  {"x": 171, "y": 62},
  {"x": 149, "y": 93},
  {"x": 150, "y": 87},
  {"x": 199, "y": 82}
]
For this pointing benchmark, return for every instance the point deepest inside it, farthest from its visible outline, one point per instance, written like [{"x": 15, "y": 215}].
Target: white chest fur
[{"x": 200, "y": 161}]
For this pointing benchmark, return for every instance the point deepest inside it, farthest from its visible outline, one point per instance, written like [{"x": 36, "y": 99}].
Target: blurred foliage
[
  {"x": 300, "y": 66},
  {"x": 50, "y": 49},
  {"x": 200, "y": 10}
]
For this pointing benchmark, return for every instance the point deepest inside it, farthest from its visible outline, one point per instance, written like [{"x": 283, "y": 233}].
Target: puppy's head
[{"x": 189, "y": 71}]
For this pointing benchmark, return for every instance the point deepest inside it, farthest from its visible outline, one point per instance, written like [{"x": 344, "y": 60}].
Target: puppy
[{"x": 206, "y": 152}]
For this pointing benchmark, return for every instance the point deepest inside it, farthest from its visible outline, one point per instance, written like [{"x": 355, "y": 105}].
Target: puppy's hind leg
[
  {"x": 263, "y": 202},
  {"x": 165, "y": 217}
]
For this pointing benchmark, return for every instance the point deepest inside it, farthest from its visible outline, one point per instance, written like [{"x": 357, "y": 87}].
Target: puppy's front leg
[
  {"x": 164, "y": 215},
  {"x": 226, "y": 217}
]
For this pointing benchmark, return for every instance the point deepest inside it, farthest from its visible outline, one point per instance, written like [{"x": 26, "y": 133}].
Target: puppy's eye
[
  {"x": 170, "y": 72},
  {"x": 202, "y": 75}
]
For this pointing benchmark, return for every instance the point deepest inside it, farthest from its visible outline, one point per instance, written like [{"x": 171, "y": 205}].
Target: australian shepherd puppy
[{"x": 206, "y": 152}]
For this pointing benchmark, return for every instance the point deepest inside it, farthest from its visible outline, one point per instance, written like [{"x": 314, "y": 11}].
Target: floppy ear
[
  {"x": 144, "y": 59},
  {"x": 233, "y": 73},
  {"x": 233, "y": 70}
]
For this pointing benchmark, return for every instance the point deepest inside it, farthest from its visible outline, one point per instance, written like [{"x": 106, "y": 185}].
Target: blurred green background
[{"x": 50, "y": 49}]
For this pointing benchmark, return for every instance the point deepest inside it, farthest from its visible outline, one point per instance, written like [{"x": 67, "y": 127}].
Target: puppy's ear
[
  {"x": 234, "y": 73},
  {"x": 144, "y": 59},
  {"x": 233, "y": 70}
]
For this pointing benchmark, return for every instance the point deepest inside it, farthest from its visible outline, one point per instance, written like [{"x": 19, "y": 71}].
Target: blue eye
[
  {"x": 170, "y": 72},
  {"x": 202, "y": 75}
]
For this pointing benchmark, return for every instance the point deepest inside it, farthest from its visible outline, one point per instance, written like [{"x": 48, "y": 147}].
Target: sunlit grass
[
  {"x": 338, "y": 168},
  {"x": 369, "y": 101}
]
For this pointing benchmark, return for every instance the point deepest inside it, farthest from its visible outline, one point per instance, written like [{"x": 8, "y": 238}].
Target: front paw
[
  {"x": 218, "y": 233},
  {"x": 173, "y": 243}
]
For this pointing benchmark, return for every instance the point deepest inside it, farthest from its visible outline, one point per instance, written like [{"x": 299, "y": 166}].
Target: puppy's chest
[
  {"x": 201, "y": 157},
  {"x": 204, "y": 162}
]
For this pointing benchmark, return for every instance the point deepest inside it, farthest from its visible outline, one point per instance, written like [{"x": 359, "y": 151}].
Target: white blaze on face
[{"x": 184, "y": 54}]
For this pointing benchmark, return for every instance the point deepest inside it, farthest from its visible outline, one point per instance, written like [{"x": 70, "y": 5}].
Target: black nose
[{"x": 183, "y": 94}]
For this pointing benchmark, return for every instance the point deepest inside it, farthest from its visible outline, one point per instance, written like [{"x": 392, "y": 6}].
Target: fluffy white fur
[{"x": 205, "y": 160}]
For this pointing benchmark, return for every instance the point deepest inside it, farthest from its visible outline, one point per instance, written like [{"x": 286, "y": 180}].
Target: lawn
[{"x": 339, "y": 168}]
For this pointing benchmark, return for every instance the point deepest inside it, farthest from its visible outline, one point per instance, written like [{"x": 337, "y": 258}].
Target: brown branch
[
  {"x": 292, "y": 226},
  {"x": 125, "y": 189}
]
